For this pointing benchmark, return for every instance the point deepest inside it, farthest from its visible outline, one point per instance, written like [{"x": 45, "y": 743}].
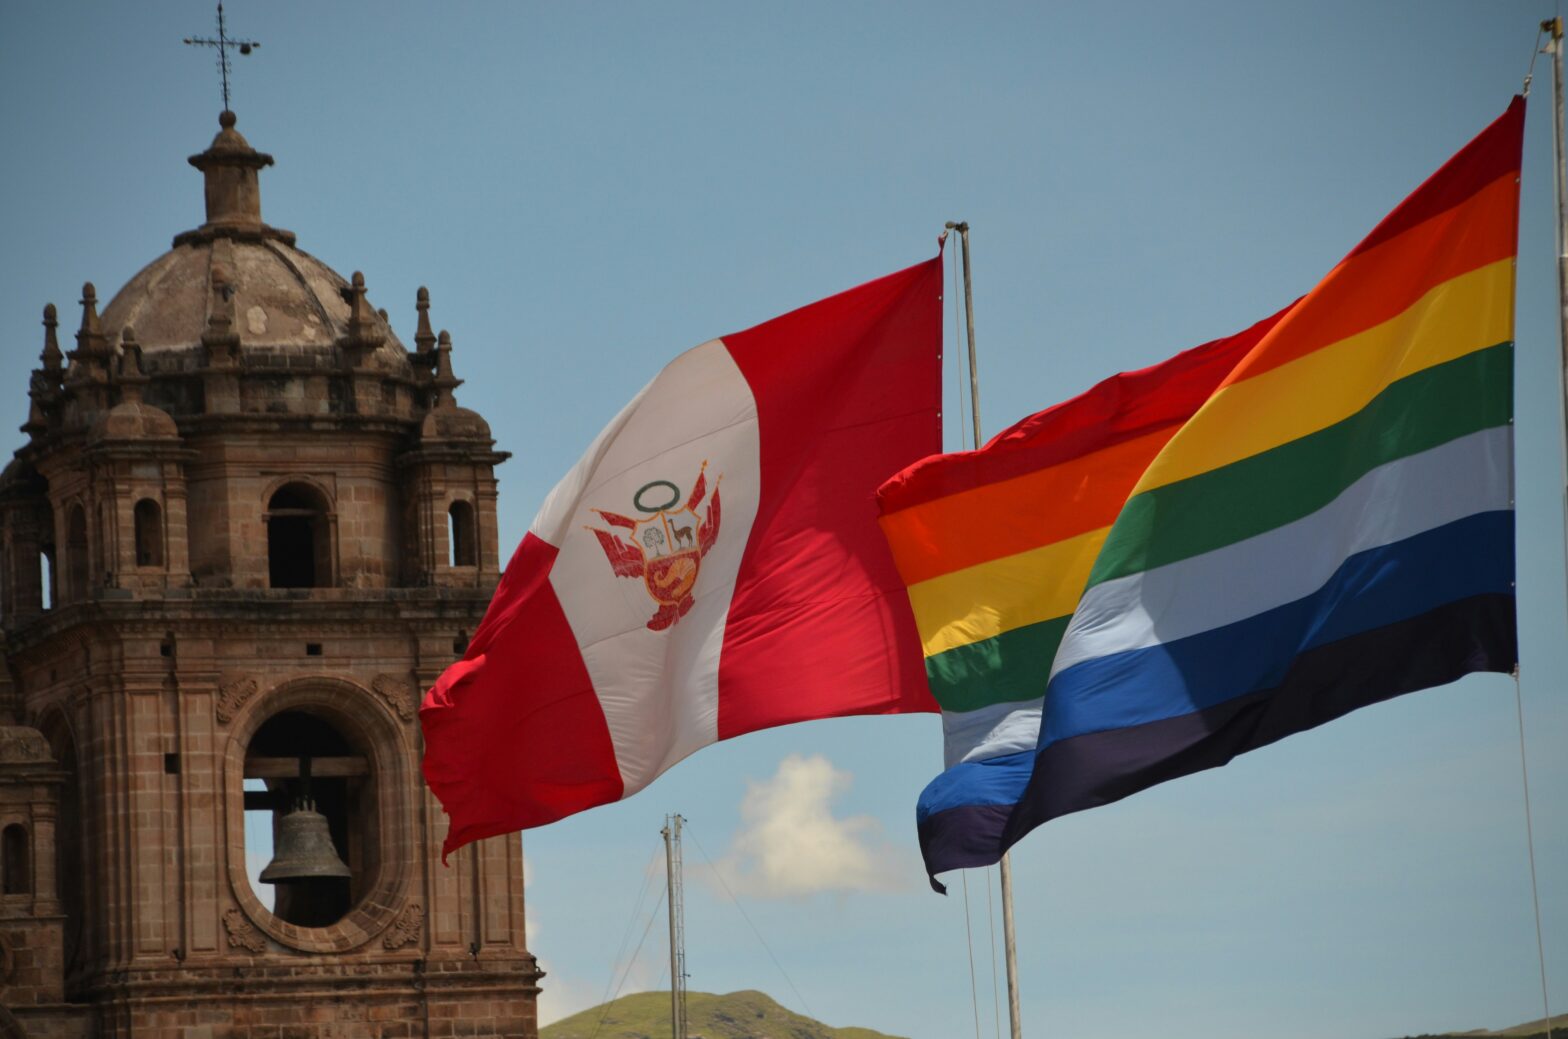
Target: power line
[{"x": 744, "y": 916}]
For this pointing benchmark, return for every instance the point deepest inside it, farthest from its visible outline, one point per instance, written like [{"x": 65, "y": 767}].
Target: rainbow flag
[
  {"x": 996, "y": 546},
  {"x": 1249, "y": 540}
]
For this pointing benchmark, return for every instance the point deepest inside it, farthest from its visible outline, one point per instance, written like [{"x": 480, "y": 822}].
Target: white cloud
[
  {"x": 791, "y": 845},
  {"x": 560, "y": 998}
]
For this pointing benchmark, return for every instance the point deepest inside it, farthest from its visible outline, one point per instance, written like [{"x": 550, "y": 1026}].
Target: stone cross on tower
[{"x": 223, "y": 43}]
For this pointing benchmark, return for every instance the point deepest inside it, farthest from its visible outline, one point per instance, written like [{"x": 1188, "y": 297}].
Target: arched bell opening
[
  {"x": 315, "y": 784},
  {"x": 299, "y": 538}
]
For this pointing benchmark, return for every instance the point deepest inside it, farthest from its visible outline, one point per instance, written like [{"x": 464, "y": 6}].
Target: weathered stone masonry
[{"x": 247, "y": 528}]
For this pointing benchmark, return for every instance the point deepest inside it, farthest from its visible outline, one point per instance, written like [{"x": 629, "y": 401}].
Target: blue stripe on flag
[
  {"x": 993, "y": 781},
  {"x": 1371, "y": 589}
]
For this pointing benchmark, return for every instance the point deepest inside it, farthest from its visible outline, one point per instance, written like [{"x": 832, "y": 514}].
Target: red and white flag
[{"x": 712, "y": 566}]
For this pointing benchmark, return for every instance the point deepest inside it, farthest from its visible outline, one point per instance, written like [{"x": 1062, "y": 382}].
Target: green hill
[
  {"x": 1529, "y": 1030},
  {"x": 738, "y": 1015}
]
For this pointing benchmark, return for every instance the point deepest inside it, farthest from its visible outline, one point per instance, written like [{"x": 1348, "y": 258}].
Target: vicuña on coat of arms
[{"x": 665, "y": 547}]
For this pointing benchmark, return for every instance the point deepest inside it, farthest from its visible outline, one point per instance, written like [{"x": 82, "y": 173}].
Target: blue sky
[{"x": 589, "y": 189}]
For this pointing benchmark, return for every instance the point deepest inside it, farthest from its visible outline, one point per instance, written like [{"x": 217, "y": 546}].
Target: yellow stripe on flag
[
  {"x": 1462, "y": 315},
  {"x": 983, "y": 601}
]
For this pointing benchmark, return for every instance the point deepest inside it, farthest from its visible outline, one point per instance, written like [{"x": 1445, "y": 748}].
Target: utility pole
[{"x": 677, "y": 911}]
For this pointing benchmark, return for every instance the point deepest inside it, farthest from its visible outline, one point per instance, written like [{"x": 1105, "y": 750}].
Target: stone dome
[
  {"x": 135, "y": 420},
  {"x": 285, "y": 301},
  {"x": 454, "y": 423},
  {"x": 283, "y": 298}
]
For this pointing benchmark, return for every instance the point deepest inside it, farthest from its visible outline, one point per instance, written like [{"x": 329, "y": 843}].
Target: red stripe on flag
[
  {"x": 848, "y": 391},
  {"x": 1495, "y": 151},
  {"x": 514, "y": 735},
  {"x": 1115, "y": 410}
]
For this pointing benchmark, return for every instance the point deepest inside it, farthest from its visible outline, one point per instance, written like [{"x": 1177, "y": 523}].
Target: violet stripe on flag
[{"x": 711, "y": 566}]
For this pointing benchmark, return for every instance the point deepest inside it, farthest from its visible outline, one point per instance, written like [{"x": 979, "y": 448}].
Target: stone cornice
[{"x": 274, "y": 614}]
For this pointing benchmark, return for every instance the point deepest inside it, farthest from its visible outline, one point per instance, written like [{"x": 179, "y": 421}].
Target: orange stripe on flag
[
  {"x": 1027, "y": 512},
  {"x": 1479, "y": 231}
]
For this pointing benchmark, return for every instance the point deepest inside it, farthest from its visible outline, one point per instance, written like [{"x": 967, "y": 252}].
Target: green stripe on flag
[
  {"x": 1007, "y": 668},
  {"x": 1268, "y": 490}
]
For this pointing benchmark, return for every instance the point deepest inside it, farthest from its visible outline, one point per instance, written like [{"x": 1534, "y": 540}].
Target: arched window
[
  {"x": 46, "y": 575},
  {"x": 48, "y": 572},
  {"x": 15, "y": 871},
  {"x": 299, "y": 549},
  {"x": 76, "y": 555},
  {"x": 460, "y": 534},
  {"x": 149, "y": 533}
]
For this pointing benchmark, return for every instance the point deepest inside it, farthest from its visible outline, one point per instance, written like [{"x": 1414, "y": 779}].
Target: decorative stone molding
[
  {"x": 233, "y": 696},
  {"x": 397, "y": 694},
  {"x": 383, "y": 740},
  {"x": 21, "y": 745},
  {"x": 407, "y": 928},
  {"x": 242, "y": 933}
]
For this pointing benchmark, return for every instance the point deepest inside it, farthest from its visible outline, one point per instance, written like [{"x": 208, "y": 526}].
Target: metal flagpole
[
  {"x": 1554, "y": 26},
  {"x": 1005, "y": 867}
]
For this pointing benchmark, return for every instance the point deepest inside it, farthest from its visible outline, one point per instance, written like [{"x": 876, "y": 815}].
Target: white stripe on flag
[
  {"x": 1395, "y": 501},
  {"x": 659, "y": 689}
]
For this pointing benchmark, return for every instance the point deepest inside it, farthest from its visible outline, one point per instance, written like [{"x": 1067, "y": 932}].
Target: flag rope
[
  {"x": 1529, "y": 834},
  {"x": 969, "y": 943},
  {"x": 996, "y": 996},
  {"x": 605, "y": 1010},
  {"x": 1535, "y": 52},
  {"x": 631, "y": 924}
]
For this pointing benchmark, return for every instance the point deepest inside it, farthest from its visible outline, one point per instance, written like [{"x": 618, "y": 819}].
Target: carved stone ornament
[
  {"x": 242, "y": 933},
  {"x": 406, "y": 928},
  {"x": 233, "y": 696},
  {"x": 20, "y": 745},
  {"x": 397, "y": 695}
]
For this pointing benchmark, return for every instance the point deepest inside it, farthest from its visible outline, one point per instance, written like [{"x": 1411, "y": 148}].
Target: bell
[{"x": 304, "y": 850}]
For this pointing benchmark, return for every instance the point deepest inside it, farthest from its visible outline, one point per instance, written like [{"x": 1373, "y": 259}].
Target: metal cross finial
[{"x": 223, "y": 43}]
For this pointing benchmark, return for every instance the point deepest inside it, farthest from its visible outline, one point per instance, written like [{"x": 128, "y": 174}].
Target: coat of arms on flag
[
  {"x": 576, "y": 690},
  {"x": 665, "y": 547}
]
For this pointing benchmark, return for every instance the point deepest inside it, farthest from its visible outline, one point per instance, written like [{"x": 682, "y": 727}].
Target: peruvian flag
[{"x": 711, "y": 566}]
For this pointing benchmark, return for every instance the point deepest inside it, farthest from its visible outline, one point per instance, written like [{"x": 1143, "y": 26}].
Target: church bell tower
[{"x": 247, "y": 527}]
